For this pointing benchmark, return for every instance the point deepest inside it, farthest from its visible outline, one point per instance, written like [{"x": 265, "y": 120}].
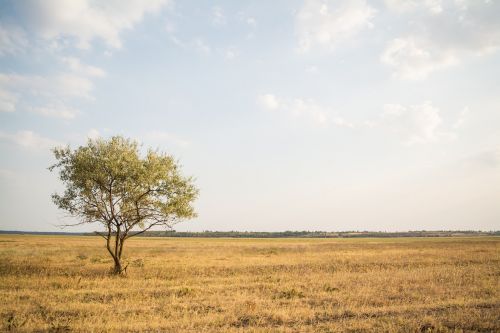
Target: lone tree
[{"x": 109, "y": 182}]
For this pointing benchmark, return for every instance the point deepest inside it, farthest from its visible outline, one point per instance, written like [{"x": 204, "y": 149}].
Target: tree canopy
[{"x": 109, "y": 182}]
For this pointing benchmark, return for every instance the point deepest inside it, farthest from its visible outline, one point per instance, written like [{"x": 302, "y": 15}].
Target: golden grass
[{"x": 56, "y": 283}]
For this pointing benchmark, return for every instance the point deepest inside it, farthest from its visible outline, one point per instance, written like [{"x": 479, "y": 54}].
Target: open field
[{"x": 61, "y": 283}]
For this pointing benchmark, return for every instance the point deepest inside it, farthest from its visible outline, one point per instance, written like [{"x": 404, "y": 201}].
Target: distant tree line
[
  {"x": 316, "y": 234},
  {"x": 284, "y": 234}
]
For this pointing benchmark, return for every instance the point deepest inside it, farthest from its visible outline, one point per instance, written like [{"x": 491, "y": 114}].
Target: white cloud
[
  {"x": 93, "y": 134},
  {"x": 12, "y": 40},
  {"x": 201, "y": 47},
  {"x": 218, "y": 16},
  {"x": 462, "y": 118},
  {"x": 248, "y": 20},
  {"x": 84, "y": 21},
  {"x": 231, "y": 53},
  {"x": 53, "y": 90},
  {"x": 197, "y": 44},
  {"x": 432, "y": 6},
  {"x": 341, "y": 122},
  {"x": 442, "y": 34},
  {"x": 57, "y": 86},
  {"x": 7, "y": 101},
  {"x": 86, "y": 70},
  {"x": 56, "y": 111},
  {"x": 415, "y": 59},
  {"x": 61, "y": 23},
  {"x": 416, "y": 124},
  {"x": 325, "y": 24},
  {"x": 268, "y": 101},
  {"x": 30, "y": 140},
  {"x": 393, "y": 110},
  {"x": 487, "y": 158},
  {"x": 72, "y": 85},
  {"x": 307, "y": 109},
  {"x": 251, "y": 21}
]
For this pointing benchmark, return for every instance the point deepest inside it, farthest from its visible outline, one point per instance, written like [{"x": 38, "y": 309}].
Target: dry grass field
[{"x": 61, "y": 283}]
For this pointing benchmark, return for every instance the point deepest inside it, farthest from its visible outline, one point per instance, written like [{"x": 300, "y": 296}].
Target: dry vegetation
[{"x": 56, "y": 283}]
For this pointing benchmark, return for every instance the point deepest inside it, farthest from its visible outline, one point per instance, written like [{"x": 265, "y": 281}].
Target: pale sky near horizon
[{"x": 292, "y": 115}]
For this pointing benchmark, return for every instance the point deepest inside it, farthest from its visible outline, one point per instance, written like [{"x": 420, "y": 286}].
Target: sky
[{"x": 291, "y": 115}]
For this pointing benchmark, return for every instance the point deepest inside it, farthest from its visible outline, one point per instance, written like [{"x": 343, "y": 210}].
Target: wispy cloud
[
  {"x": 75, "y": 65},
  {"x": 305, "y": 109},
  {"x": 52, "y": 92},
  {"x": 29, "y": 139},
  {"x": 416, "y": 124},
  {"x": 49, "y": 95},
  {"x": 462, "y": 118},
  {"x": 83, "y": 21},
  {"x": 93, "y": 134},
  {"x": 218, "y": 16},
  {"x": 268, "y": 101},
  {"x": 230, "y": 53},
  {"x": 445, "y": 34},
  {"x": 251, "y": 21},
  {"x": 197, "y": 44},
  {"x": 8, "y": 101},
  {"x": 201, "y": 46},
  {"x": 402, "y": 6},
  {"x": 62, "y": 85},
  {"x": 13, "y": 39},
  {"x": 326, "y": 24},
  {"x": 56, "y": 111},
  {"x": 487, "y": 158},
  {"x": 415, "y": 59}
]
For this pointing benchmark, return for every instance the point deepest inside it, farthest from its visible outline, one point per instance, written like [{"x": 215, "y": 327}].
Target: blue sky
[{"x": 292, "y": 115}]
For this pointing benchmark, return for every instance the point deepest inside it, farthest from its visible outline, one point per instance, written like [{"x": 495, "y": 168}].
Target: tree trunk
[
  {"x": 117, "y": 256},
  {"x": 118, "y": 267},
  {"x": 115, "y": 252}
]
